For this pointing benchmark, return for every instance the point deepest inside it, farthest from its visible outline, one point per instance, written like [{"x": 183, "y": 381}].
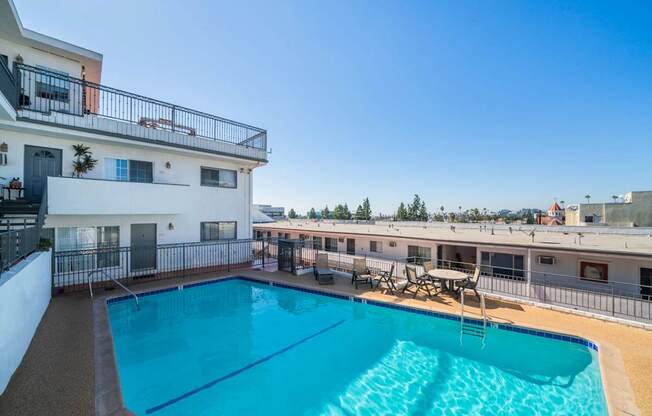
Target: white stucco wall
[
  {"x": 32, "y": 56},
  {"x": 25, "y": 292},
  {"x": 188, "y": 206}
]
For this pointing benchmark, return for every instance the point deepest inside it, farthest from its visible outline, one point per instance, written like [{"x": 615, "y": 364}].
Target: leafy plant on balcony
[{"x": 84, "y": 161}]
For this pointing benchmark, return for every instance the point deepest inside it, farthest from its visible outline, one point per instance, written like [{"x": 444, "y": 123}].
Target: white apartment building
[
  {"x": 164, "y": 173},
  {"x": 568, "y": 256}
]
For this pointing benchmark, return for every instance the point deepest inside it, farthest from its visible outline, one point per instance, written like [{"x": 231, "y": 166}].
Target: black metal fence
[
  {"x": 75, "y": 270},
  {"x": 304, "y": 254},
  {"x": 610, "y": 298},
  {"x": 613, "y": 298},
  {"x": 7, "y": 83},
  {"x": 44, "y": 92}
]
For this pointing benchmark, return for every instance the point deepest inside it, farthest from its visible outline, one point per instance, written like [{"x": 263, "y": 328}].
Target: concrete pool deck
[{"x": 59, "y": 367}]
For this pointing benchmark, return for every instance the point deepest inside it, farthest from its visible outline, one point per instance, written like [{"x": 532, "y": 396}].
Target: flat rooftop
[{"x": 637, "y": 242}]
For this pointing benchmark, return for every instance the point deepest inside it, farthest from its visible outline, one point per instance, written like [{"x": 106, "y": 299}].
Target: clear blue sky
[{"x": 480, "y": 104}]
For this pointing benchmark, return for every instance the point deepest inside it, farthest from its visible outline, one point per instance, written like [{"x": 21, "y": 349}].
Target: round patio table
[{"x": 448, "y": 278}]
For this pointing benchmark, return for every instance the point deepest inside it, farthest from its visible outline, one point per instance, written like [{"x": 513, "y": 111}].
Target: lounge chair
[
  {"x": 471, "y": 282},
  {"x": 361, "y": 273},
  {"x": 323, "y": 273},
  {"x": 415, "y": 283}
]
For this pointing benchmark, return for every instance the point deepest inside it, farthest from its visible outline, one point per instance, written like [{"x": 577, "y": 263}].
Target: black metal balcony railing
[
  {"x": 55, "y": 98},
  {"x": 7, "y": 84},
  {"x": 19, "y": 242}
]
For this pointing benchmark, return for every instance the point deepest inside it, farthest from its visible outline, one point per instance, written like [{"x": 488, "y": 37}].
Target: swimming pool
[{"x": 241, "y": 347}]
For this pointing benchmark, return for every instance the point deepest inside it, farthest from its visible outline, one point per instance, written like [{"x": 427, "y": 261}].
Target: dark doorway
[
  {"x": 350, "y": 246},
  {"x": 646, "y": 283},
  {"x": 143, "y": 246},
  {"x": 40, "y": 162}
]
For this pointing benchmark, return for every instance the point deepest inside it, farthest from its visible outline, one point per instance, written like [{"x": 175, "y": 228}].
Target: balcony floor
[{"x": 133, "y": 131}]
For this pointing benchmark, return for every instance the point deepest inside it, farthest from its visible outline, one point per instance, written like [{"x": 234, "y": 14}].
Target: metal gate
[{"x": 286, "y": 256}]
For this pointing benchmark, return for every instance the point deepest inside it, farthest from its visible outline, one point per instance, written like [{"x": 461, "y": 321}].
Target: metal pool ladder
[
  {"x": 109, "y": 277},
  {"x": 473, "y": 329}
]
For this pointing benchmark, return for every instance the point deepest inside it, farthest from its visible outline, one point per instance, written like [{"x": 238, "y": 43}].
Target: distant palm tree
[
  {"x": 615, "y": 198},
  {"x": 588, "y": 198},
  {"x": 562, "y": 202},
  {"x": 460, "y": 208}
]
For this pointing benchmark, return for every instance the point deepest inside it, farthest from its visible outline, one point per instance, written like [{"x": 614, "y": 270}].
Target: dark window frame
[
  {"x": 331, "y": 244},
  {"x": 219, "y": 237},
  {"x": 109, "y": 254},
  {"x": 645, "y": 283},
  {"x": 212, "y": 184},
  {"x": 604, "y": 267},
  {"x": 134, "y": 168},
  {"x": 373, "y": 246},
  {"x": 417, "y": 257}
]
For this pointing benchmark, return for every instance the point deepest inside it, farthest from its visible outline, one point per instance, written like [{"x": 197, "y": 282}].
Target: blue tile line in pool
[
  {"x": 506, "y": 327},
  {"x": 242, "y": 369}
]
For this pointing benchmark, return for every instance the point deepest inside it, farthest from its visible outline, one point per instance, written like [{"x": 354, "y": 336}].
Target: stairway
[{"x": 17, "y": 214}]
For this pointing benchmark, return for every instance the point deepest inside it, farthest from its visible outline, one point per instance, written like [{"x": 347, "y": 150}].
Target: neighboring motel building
[
  {"x": 164, "y": 173},
  {"x": 633, "y": 210},
  {"x": 275, "y": 213},
  {"x": 564, "y": 255}
]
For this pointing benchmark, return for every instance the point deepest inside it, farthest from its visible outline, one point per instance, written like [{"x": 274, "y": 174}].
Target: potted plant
[{"x": 84, "y": 161}]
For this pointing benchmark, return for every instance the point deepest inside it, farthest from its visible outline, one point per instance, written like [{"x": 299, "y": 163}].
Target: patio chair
[
  {"x": 417, "y": 282},
  {"x": 471, "y": 282},
  {"x": 323, "y": 273},
  {"x": 387, "y": 278},
  {"x": 361, "y": 273}
]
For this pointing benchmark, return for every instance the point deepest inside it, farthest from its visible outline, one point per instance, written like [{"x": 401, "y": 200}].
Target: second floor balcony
[
  {"x": 81, "y": 196},
  {"x": 57, "y": 99}
]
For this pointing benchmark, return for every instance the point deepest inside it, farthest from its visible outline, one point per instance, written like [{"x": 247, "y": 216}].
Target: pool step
[{"x": 473, "y": 330}]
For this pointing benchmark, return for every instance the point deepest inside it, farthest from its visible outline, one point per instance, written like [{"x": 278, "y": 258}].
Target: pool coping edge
[{"x": 110, "y": 401}]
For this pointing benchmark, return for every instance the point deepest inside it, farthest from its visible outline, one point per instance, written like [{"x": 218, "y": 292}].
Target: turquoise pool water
[{"x": 244, "y": 348}]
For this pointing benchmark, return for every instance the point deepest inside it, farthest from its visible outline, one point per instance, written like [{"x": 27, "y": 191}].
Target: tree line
[
  {"x": 340, "y": 212},
  {"x": 417, "y": 211}
]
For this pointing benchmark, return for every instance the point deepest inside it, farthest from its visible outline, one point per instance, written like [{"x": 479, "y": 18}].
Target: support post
[{"x": 529, "y": 270}]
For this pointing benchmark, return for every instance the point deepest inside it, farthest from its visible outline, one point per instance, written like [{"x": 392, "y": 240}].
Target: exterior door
[
  {"x": 646, "y": 283},
  {"x": 143, "y": 246},
  {"x": 40, "y": 162},
  {"x": 350, "y": 246}
]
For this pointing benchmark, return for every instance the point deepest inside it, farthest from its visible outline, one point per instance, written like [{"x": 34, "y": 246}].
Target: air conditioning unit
[
  {"x": 547, "y": 260},
  {"x": 392, "y": 243}
]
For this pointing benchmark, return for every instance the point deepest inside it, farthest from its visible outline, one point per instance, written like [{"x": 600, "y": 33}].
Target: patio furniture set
[{"x": 432, "y": 282}]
